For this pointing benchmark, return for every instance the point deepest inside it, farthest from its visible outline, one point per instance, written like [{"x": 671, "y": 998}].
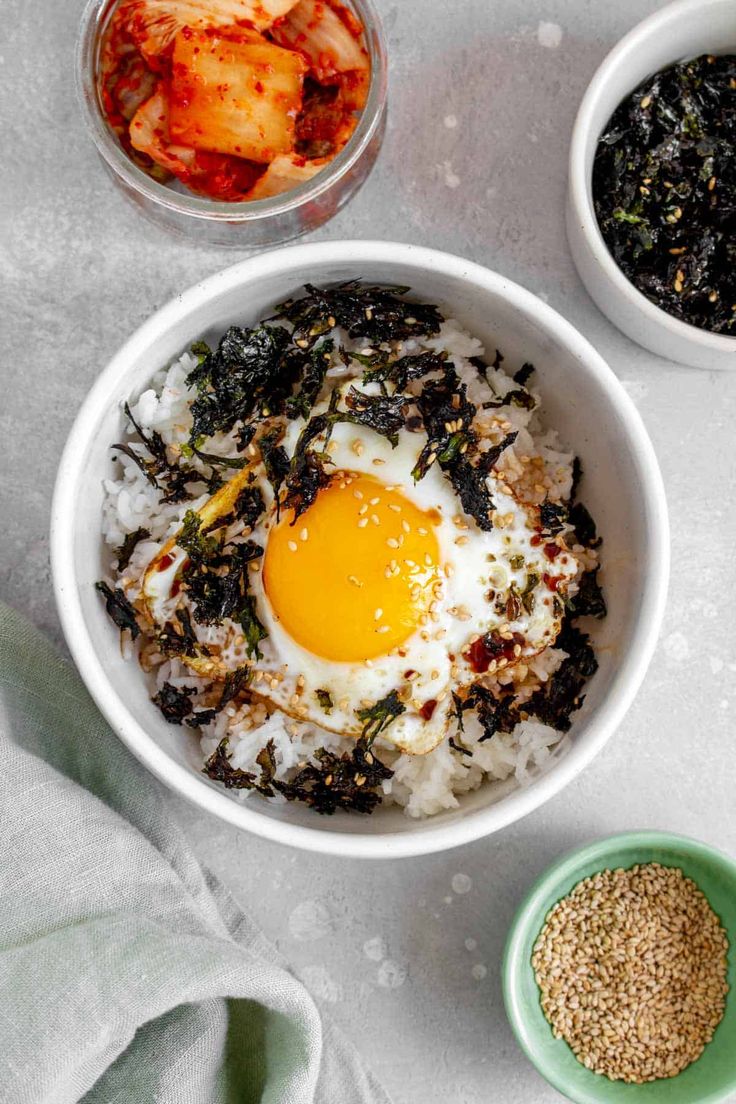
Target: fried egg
[{"x": 384, "y": 585}]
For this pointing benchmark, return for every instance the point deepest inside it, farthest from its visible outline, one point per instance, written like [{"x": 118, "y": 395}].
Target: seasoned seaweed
[
  {"x": 384, "y": 414},
  {"x": 348, "y": 781},
  {"x": 172, "y": 479},
  {"x": 119, "y": 608},
  {"x": 219, "y": 768},
  {"x": 253, "y": 630},
  {"x": 126, "y": 549},
  {"x": 664, "y": 189},
  {"x": 589, "y": 600},
  {"x": 554, "y": 703},
  {"x": 552, "y": 516},
  {"x": 314, "y": 370},
  {"x": 324, "y": 697},
  {"x": 375, "y": 313},
  {"x": 174, "y": 702},
  {"x": 584, "y": 526},
  {"x": 376, "y": 718},
  {"x": 400, "y": 372},
  {"x": 243, "y": 378},
  {"x": 524, "y": 374}
]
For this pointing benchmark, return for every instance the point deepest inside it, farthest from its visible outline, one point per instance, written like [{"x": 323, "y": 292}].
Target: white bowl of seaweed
[{"x": 652, "y": 184}]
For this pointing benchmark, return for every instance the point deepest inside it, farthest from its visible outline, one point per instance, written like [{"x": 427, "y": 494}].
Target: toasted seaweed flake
[
  {"x": 491, "y": 456},
  {"x": 201, "y": 717},
  {"x": 376, "y": 718},
  {"x": 376, "y": 313},
  {"x": 119, "y": 608},
  {"x": 306, "y": 475},
  {"x": 235, "y": 683},
  {"x": 219, "y": 768},
  {"x": 172, "y": 479},
  {"x": 584, "y": 526},
  {"x": 174, "y": 702},
  {"x": 589, "y": 600},
  {"x": 552, "y": 516},
  {"x": 384, "y": 414},
  {"x": 664, "y": 190},
  {"x": 253, "y": 630},
  {"x": 312, "y": 377},
  {"x": 400, "y": 372},
  {"x": 349, "y": 781},
  {"x": 172, "y": 642},
  {"x": 554, "y": 703},
  {"x": 275, "y": 461},
  {"x": 524, "y": 374},
  {"x": 324, "y": 697},
  {"x": 245, "y": 377},
  {"x": 126, "y": 549}
]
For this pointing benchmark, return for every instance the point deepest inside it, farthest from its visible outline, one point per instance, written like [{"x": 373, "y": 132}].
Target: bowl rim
[
  {"x": 479, "y": 822},
  {"x": 580, "y": 180},
  {"x": 188, "y": 204},
  {"x": 561, "y": 870}
]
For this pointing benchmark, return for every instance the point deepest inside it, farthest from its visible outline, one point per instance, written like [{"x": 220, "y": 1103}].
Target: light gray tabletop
[{"x": 483, "y": 95}]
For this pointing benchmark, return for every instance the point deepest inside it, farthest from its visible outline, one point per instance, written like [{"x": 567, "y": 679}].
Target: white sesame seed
[
  {"x": 392, "y": 542},
  {"x": 304, "y": 535},
  {"x": 362, "y": 523},
  {"x": 377, "y": 614},
  {"x": 292, "y": 546},
  {"x": 383, "y": 628},
  {"x": 374, "y": 501}
]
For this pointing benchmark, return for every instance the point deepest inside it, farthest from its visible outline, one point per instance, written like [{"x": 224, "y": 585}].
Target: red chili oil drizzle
[
  {"x": 428, "y": 709},
  {"x": 491, "y": 647}
]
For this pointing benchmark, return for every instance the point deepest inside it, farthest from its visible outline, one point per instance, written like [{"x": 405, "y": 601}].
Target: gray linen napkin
[{"x": 127, "y": 974}]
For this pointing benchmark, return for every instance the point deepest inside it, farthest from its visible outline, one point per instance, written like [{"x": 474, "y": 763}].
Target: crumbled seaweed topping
[
  {"x": 584, "y": 526},
  {"x": 219, "y": 768},
  {"x": 349, "y": 781},
  {"x": 119, "y": 608},
  {"x": 384, "y": 414},
  {"x": 242, "y": 378},
  {"x": 324, "y": 697},
  {"x": 127, "y": 548},
  {"x": 175, "y": 702},
  {"x": 524, "y": 374},
  {"x": 664, "y": 189},
  {"x": 376, "y": 718},
  {"x": 589, "y": 600},
  {"x": 554, "y": 703},
  {"x": 552, "y": 517},
  {"x": 173, "y": 480},
  {"x": 380, "y": 368},
  {"x": 376, "y": 313}
]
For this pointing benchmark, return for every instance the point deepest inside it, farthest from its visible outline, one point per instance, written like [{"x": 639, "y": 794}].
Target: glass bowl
[{"x": 243, "y": 225}]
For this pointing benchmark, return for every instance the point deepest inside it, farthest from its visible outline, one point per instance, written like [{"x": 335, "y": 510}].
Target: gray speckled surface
[{"x": 482, "y": 101}]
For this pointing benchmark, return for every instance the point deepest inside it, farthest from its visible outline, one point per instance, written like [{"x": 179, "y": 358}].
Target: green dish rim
[{"x": 558, "y": 874}]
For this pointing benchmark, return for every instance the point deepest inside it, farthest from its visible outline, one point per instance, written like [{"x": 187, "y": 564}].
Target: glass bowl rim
[{"x": 220, "y": 211}]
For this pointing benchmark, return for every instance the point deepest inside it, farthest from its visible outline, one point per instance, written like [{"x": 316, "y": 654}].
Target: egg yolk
[{"x": 355, "y": 575}]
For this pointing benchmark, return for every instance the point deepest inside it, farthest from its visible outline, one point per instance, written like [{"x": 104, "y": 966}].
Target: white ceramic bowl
[
  {"x": 582, "y": 398},
  {"x": 681, "y": 30}
]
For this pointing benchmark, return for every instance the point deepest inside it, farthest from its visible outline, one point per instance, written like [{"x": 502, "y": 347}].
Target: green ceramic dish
[{"x": 713, "y": 1077}]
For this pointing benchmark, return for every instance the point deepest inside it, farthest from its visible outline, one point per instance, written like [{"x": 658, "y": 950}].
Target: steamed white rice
[{"x": 422, "y": 785}]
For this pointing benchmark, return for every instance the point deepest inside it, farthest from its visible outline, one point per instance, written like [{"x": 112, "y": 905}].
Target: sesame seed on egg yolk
[{"x": 352, "y": 578}]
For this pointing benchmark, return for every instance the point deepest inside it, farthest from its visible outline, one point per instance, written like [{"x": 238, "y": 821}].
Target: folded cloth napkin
[{"x": 127, "y": 974}]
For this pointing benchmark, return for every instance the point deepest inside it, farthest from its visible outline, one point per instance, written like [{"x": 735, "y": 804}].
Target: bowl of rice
[{"x": 234, "y": 594}]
